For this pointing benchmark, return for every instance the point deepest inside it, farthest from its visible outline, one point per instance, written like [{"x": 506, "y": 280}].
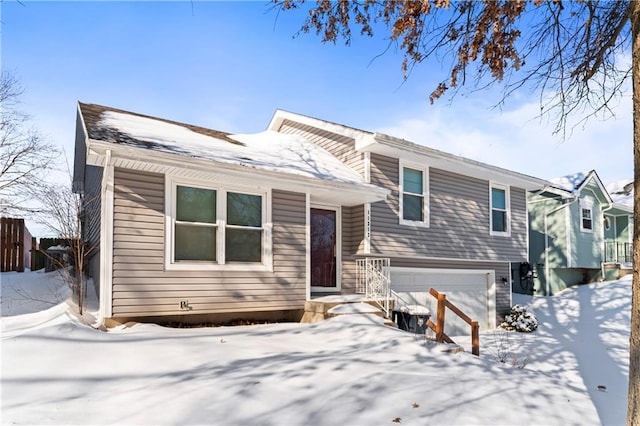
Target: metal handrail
[{"x": 372, "y": 276}]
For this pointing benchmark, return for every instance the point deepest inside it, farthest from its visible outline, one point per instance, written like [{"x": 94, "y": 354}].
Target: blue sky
[{"x": 229, "y": 65}]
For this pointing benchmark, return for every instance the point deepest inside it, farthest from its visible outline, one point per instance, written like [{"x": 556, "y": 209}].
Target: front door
[{"x": 324, "y": 249}]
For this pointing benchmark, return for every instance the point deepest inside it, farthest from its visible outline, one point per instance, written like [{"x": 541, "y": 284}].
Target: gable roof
[
  {"x": 279, "y": 116},
  {"x": 380, "y": 143},
  {"x": 280, "y": 155},
  {"x": 94, "y": 119},
  {"x": 572, "y": 182},
  {"x": 266, "y": 150}
]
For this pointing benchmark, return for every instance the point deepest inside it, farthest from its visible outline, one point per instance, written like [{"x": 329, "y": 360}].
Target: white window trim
[
  {"x": 425, "y": 194},
  {"x": 507, "y": 195},
  {"x": 586, "y": 206},
  {"x": 171, "y": 183}
]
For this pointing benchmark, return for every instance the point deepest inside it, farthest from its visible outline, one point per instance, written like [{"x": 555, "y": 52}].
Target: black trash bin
[{"x": 411, "y": 318}]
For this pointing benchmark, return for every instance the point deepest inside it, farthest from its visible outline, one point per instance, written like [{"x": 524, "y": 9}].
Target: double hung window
[
  {"x": 196, "y": 224},
  {"x": 586, "y": 223},
  {"x": 414, "y": 197},
  {"x": 216, "y": 227},
  {"x": 499, "y": 199},
  {"x": 243, "y": 236}
]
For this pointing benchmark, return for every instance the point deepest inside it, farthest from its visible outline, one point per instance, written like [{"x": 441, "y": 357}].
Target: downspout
[{"x": 546, "y": 240}]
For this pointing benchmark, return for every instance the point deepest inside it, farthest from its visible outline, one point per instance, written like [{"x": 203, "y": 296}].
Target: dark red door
[{"x": 323, "y": 248}]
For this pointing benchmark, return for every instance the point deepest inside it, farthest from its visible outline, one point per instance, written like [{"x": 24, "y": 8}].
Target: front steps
[
  {"x": 330, "y": 306},
  {"x": 326, "y": 307}
]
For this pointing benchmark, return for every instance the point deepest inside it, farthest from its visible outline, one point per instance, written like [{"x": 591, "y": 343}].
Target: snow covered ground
[
  {"x": 349, "y": 370},
  {"x": 25, "y": 293}
]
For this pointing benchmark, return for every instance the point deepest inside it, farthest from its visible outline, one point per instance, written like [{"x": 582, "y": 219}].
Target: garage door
[{"x": 473, "y": 291}]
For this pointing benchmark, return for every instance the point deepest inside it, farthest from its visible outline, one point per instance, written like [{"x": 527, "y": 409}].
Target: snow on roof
[
  {"x": 570, "y": 182},
  {"x": 621, "y": 192},
  {"x": 268, "y": 150}
]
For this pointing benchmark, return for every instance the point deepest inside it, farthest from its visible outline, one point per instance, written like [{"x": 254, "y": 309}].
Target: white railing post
[{"x": 373, "y": 279}]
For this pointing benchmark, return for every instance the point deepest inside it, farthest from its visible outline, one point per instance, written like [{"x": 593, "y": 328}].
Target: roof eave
[
  {"x": 79, "y": 152},
  {"x": 390, "y": 146},
  {"x": 623, "y": 207},
  {"x": 559, "y": 191},
  {"x": 347, "y": 193},
  {"x": 594, "y": 175}
]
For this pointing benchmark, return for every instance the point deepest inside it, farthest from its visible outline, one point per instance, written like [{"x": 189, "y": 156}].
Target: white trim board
[
  {"x": 106, "y": 241},
  {"x": 171, "y": 182}
]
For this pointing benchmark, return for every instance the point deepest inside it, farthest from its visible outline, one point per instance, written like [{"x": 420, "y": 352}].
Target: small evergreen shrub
[{"x": 520, "y": 320}]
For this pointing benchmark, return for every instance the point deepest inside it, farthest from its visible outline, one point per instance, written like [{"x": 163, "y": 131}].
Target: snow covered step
[
  {"x": 354, "y": 308},
  {"x": 319, "y": 310}
]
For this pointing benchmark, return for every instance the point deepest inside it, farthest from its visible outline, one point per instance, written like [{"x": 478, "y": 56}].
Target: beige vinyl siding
[
  {"x": 91, "y": 219},
  {"x": 352, "y": 229},
  {"x": 352, "y": 235},
  {"x": 141, "y": 286},
  {"x": 341, "y": 147},
  {"x": 502, "y": 270},
  {"x": 357, "y": 224},
  {"x": 459, "y": 219}
]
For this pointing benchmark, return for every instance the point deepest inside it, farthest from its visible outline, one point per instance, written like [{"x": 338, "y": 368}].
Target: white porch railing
[{"x": 373, "y": 279}]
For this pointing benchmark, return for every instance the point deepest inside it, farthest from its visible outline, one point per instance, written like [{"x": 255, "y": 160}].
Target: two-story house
[
  {"x": 575, "y": 227},
  {"x": 198, "y": 224}
]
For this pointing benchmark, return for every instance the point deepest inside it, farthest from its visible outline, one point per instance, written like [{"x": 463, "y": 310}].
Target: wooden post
[
  {"x": 14, "y": 249},
  {"x": 475, "y": 338},
  {"x": 20, "y": 245},
  {"x": 4, "y": 248},
  {"x": 440, "y": 318},
  {"x": 34, "y": 250}
]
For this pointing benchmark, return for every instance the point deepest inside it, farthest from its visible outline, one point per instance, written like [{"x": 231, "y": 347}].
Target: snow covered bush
[{"x": 520, "y": 320}]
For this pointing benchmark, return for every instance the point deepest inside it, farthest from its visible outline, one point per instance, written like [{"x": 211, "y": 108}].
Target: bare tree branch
[
  {"x": 575, "y": 53},
  {"x": 63, "y": 214},
  {"x": 25, "y": 157}
]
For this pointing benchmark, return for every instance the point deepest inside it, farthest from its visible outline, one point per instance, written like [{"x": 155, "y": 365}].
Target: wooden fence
[{"x": 16, "y": 245}]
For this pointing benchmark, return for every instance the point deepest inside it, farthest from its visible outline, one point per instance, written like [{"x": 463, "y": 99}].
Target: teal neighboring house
[
  {"x": 618, "y": 231},
  {"x": 577, "y": 234}
]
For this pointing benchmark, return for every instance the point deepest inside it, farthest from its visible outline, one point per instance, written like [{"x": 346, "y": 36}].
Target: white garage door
[{"x": 473, "y": 291}]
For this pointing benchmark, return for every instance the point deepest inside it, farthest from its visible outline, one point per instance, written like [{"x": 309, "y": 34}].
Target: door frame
[{"x": 338, "y": 210}]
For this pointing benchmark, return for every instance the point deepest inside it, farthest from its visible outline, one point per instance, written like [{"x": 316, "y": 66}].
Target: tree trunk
[{"x": 633, "y": 407}]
